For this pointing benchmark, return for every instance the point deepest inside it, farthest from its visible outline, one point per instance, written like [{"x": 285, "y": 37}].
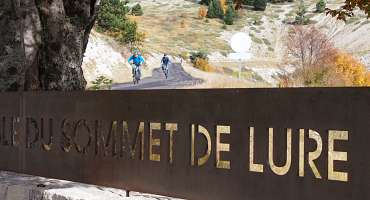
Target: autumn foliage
[
  {"x": 223, "y": 5},
  {"x": 343, "y": 71},
  {"x": 347, "y": 10},
  {"x": 308, "y": 46},
  {"x": 320, "y": 63},
  {"x": 203, "y": 64},
  {"x": 350, "y": 72},
  {"x": 202, "y": 12}
]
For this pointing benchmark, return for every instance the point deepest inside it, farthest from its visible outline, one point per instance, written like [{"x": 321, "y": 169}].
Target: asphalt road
[{"x": 178, "y": 78}]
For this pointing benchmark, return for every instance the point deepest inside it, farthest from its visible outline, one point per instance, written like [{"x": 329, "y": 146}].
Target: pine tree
[
  {"x": 230, "y": 13},
  {"x": 301, "y": 17},
  {"x": 137, "y": 10},
  {"x": 248, "y": 2},
  {"x": 320, "y": 6},
  {"x": 205, "y": 2},
  {"x": 260, "y": 4},
  {"x": 215, "y": 10}
]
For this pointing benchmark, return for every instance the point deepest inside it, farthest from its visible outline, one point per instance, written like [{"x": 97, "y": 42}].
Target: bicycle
[
  {"x": 136, "y": 74},
  {"x": 165, "y": 70}
]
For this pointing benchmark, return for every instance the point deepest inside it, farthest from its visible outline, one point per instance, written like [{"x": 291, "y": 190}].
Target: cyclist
[
  {"x": 165, "y": 61},
  {"x": 136, "y": 60}
]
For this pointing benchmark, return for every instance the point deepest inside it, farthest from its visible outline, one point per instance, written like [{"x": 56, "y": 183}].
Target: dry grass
[
  {"x": 177, "y": 28},
  {"x": 174, "y": 27},
  {"x": 216, "y": 80}
]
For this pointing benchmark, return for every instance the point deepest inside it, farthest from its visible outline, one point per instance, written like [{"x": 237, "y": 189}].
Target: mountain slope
[{"x": 173, "y": 26}]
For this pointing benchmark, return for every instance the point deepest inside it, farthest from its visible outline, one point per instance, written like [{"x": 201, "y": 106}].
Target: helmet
[{"x": 136, "y": 52}]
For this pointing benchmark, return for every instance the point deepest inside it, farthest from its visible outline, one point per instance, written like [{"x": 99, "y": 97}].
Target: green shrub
[
  {"x": 130, "y": 35},
  {"x": 102, "y": 83},
  {"x": 112, "y": 14},
  {"x": 184, "y": 55},
  {"x": 320, "y": 6},
  {"x": 255, "y": 39},
  {"x": 205, "y": 2},
  {"x": 112, "y": 18},
  {"x": 215, "y": 10},
  {"x": 248, "y": 2},
  {"x": 200, "y": 61},
  {"x": 266, "y": 41},
  {"x": 230, "y": 14},
  {"x": 137, "y": 10},
  {"x": 301, "y": 17},
  {"x": 257, "y": 22},
  {"x": 260, "y": 5},
  {"x": 198, "y": 55},
  {"x": 280, "y": 1}
]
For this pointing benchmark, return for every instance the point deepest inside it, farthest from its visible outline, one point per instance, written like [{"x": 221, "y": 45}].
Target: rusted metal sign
[{"x": 259, "y": 144}]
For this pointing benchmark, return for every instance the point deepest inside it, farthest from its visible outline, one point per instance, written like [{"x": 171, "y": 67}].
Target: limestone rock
[{"x": 14, "y": 186}]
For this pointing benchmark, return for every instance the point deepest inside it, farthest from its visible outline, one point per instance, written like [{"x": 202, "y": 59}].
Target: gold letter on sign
[
  {"x": 192, "y": 145},
  {"x": 222, "y": 147},
  {"x": 284, "y": 169},
  {"x": 172, "y": 128},
  {"x": 133, "y": 139},
  {"x": 252, "y": 166},
  {"x": 316, "y": 154},
  {"x": 336, "y": 155},
  {"x": 154, "y": 142},
  {"x": 204, "y": 159},
  {"x": 301, "y": 152}
]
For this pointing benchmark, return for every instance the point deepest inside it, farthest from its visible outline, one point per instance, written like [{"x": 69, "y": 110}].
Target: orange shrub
[
  {"x": 351, "y": 71},
  {"x": 223, "y": 5},
  {"x": 202, "y": 13},
  {"x": 203, "y": 65},
  {"x": 321, "y": 64},
  {"x": 285, "y": 81}
]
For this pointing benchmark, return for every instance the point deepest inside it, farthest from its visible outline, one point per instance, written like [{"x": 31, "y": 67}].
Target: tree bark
[
  {"x": 43, "y": 42},
  {"x": 11, "y": 54}
]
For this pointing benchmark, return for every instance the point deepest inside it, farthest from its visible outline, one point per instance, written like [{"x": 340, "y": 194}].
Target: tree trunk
[
  {"x": 11, "y": 53},
  {"x": 43, "y": 42}
]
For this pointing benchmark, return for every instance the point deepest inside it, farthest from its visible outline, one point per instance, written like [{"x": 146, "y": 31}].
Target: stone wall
[{"x": 15, "y": 186}]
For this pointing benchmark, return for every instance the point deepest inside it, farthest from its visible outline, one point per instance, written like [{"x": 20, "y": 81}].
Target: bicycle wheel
[
  {"x": 137, "y": 76},
  {"x": 166, "y": 73}
]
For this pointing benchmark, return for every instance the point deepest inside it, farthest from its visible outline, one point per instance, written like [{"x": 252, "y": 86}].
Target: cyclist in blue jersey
[{"x": 136, "y": 61}]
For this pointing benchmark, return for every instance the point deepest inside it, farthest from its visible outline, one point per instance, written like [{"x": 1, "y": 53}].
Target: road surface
[{"x": 178, "y": 78}]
